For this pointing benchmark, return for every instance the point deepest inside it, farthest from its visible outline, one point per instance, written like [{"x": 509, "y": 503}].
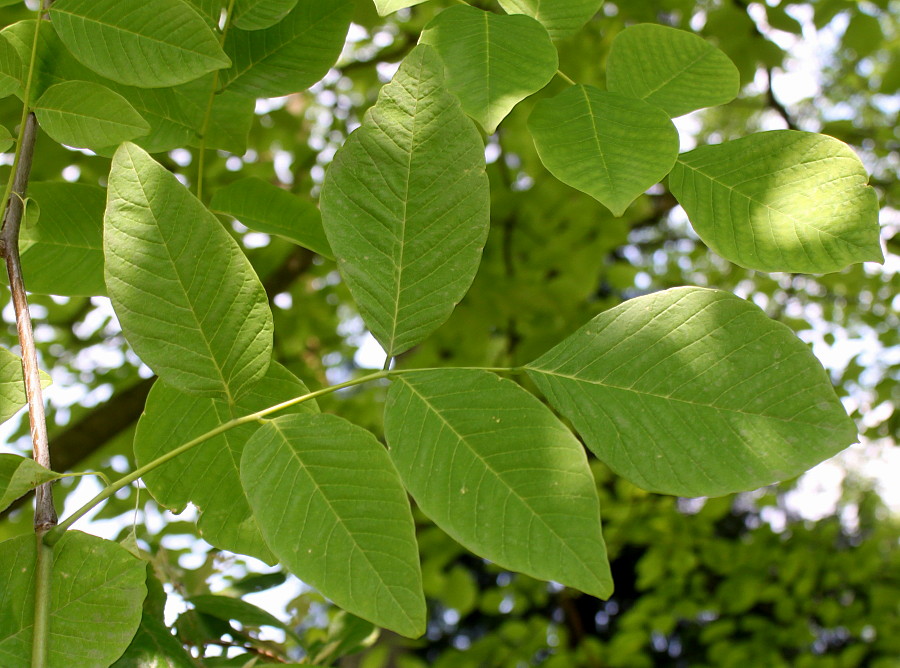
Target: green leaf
[
  {"x": 332, "y": 509},
  {"x": 386, "y": 7},
  {"x": 405, "y": 205},
  {"x": 672, "y": 69},
  {"x": 267, "y": 208},
  {"x": 87, "y": 115},
  {"x": 6, "y": 139},
  {"x": 260, "y": 14},
  {"x": 63, "y": 253},
  {"x": 11, "y": 70},
  {"x": 96, "y": 590},
  {"x": 695, "y": 392},
  {"x": 145, "y": 44},
  {"x": 781, "y": 201},
  {"x": 492, "y": 61},
  {"x": 291, "y": 55},
  {"x": 228, "y": 608},
  {"x": 12, "y": 386},
  {"x": 610, "y": 146},
  {"x": 186, "y": 296},
  {"x": 496, "y": 470},
  {"x": 208, "y": 475},
  {"x": 561, "y": 18},
  {"x": 19, "y": 475}
]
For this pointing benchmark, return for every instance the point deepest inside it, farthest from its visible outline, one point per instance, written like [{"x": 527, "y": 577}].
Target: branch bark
[{"x": 44, "y": 514}]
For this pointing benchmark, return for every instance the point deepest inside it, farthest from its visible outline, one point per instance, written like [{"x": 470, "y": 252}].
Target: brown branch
[{"x": 44, "y": 513}]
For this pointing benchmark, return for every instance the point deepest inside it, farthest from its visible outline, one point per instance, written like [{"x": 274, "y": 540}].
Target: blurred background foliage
[{"x": 759, "y": 579}]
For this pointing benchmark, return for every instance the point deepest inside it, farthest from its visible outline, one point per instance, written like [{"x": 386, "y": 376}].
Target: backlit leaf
[
  {"x": 561, "y": 18},
  {"x": 186, "y": 296},
  {"x": 208, "y": 475},
  {"x": 12, "y": 386},
  {"x": 264, "y": 207},
  {"x": 96, "y": 591},
  {"x": 87, "y": 115},
  {"x": 386, "y": 7},
  {"x": 229, "y": 608},
  {"x": 672, "y": 69},
  {"x": 405, "y": 205},
  {"x": 260, "y": 14},
  {"x": 492, "y": 61},
  {"x": 695, "y": 392},
  {"x": 6, "y": 139},
  {"x": 145, "y": 44},
  {"x": 291, "y": 55},
  {"x": 19, "y": 475},
  {"x": 781, "y": 201},
  {"x": 608, "y": 145},
  {"x": 331, "y": 507},
  {"x": 496, "y": 470}
]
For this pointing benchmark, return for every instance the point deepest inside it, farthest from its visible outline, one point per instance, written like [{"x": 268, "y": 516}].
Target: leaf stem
[
  {"x": 41, "y": 635},
  {"x": 565, "y": 77},
  {"x": 207, "y": 115}
]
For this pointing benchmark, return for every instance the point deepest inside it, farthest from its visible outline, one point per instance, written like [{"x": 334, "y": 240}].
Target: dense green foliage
[{"x": 491, "y": 193}]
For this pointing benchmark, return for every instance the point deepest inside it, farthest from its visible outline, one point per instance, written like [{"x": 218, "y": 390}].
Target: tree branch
[{"x": 45, "y": 513}]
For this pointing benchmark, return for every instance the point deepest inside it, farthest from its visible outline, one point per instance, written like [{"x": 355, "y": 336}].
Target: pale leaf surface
[
  {"x": 781, "y": 201},
  {"x": 561, "y": 18},
  {"x": 260, "y": 14},
  {"x": 670, "y": 68},
  {"x": 96, "y": 591},
  {"x": 406, "y": 206},
  {"x": 12, "y": 386},
  {"x": 496, "y": 470},
  {"x": 185, "y": 294},
  {"x": 18, "y": 474},
  {"x": 386, "y": 7},
  {"x": 695, "y": 392},
  {"x": 492, "y": 61},
  {"x": 333, "y": 510},
  {"x": 610, "y": 146}
]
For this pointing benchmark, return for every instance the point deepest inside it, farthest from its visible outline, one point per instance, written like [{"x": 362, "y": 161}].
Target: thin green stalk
[
  {"x": 565, "y": 77},
  {"x": 207, "y": 116},
  {"x": 57, "y": 532},
  {"x": 41, "y": 638}
]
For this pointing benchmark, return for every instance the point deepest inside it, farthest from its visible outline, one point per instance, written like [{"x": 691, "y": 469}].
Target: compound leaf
[
  {"x": 208, "y": 475},
  {"x": 781, "y": 201},
  {"x": 670, "y": 68},
  {"x": 186, "y": 296},
  {"x": 695, "y": 392},
  {"x": 145, "y": 44},
  {"x": 496, "y": 470},
  {"x": 492, "y": 61},
  {"x": 610, "y": 146},
  {"x": 331, "y": 507},
  {"x": 96, "y": 591},
  {"x": 405, "y": 205}
]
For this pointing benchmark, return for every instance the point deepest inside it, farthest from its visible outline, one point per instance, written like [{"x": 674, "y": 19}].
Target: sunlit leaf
[
  {"x": 331, "y": 507},
  {"x": 561, "y": 18},
  {"x": 492, "y": 61},
  {"x": 18, "y": 475},
  {"x": 12, "y": 386},
  {"x": 608, "y": 145},
  {"x": 386, "y": 7},
  {"x": 260, "y": 14},
  {"x": 405, "y": 206},
  {"x": 496, "y": 470},
  {"x": 781, "y": 201},
  {"x": 695, "y": 392},
  {"x": 144, "y": 44},
  {"x": 186, "y": 296}
]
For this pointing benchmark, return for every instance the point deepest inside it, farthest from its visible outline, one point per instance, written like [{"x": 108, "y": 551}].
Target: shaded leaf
[
  {"x": 63, "y": 253},
  {"x": 96, "y": 590},
  {"x": 12, "y": 386},
  {"x": 496, "y": 470},
  {"x": 208, "y": 475},
  {"x": 608, "y": 145},
  {"x": 405, "y": 206},
  {"x": 781, "y": 201},
  {"x": 291, "y": 55},
  {"x": 87, "y": 115},
  {"x": 260, "y": 14},
  {"x": 19, "y": 475},
  {"x": 492, "y": 61},
  {"x": 144, "y": 44},
  {"x": 332, "y": 509},
  {"x": 228, "y": 608},
  {"x": 695, "y": 392},
  {"x": 672, "y": 69},
  {"x": 186, "y": 296},
  {"x": 11, "y": 70},
  {"x": 264, "y": 207},
  {"x": 561, "y": 18},
  {"x": 6, "y": 139}
]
